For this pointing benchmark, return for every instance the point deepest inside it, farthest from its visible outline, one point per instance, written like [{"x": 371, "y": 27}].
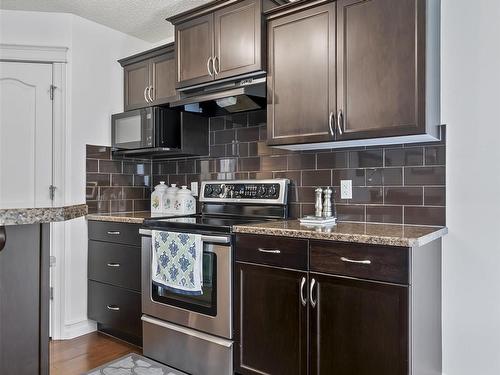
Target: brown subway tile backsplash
[
  {"x": 404, "y": 156},
  {"x": 391, "y": 184},
  {"x": 425, "y": 176}
]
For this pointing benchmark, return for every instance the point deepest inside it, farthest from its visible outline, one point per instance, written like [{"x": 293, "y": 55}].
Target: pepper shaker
[
  {"x": 319, "y": 205},
  {"x": 327, "y": 202}
]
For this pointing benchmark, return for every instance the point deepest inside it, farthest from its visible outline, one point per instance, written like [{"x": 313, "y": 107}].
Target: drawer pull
[
  {"x": 344, "y": 259},
  {"x": 113, "y": 264},
  {"x": 113, "y": 308},
  {"x": 269, "y": 251},
  {"x": 114, "y": 233}
]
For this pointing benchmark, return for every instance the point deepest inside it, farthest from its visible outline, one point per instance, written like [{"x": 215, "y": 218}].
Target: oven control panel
[{"x": 245, "y": 191}]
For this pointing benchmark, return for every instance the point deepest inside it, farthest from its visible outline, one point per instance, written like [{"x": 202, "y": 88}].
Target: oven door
[
  {"x": 209, "y": 312},
  {"x": 133, "y": 129}
]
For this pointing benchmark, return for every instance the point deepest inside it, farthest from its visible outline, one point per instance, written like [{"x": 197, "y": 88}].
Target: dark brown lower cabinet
[
  {"x": 271, "y": 320},
  {"x": 358, "y": 327}
]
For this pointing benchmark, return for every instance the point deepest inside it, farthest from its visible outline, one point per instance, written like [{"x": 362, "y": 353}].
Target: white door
[{"x": 25, "y": 135}]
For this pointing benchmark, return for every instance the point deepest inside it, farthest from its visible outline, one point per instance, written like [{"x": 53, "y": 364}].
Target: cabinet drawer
[
  {"x": 389, "y": 264},
  {"x": 115, "y": 307},
  {"x": 115, "y": 264},
  {"x": 272, "y": 250},
  {"x": 115, "y": 232}
]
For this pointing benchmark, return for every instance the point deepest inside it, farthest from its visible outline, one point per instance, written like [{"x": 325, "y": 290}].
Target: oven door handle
[
  {"x": 214, "y": 239},
  {"x": 190, "y": 332}
]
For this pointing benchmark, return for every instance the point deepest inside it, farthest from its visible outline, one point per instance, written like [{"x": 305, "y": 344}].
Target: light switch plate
[
  {"x": 194, "y": 188},
  {"x": 345, "y": 189}
]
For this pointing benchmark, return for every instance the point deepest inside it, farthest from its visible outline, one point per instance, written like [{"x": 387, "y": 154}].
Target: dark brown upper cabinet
[
  {"x": 383, "y": 77},
  {"x": 194, "y": 50},
  {"x": 301, "y": 88},
  {"x": 221, "y": 39},
  {"x": 149, "y": 78}
]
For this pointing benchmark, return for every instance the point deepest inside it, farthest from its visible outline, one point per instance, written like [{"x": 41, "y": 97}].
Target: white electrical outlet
[
  {"x": 345, "y": 189},
  {"x": 194, "y": 188}
]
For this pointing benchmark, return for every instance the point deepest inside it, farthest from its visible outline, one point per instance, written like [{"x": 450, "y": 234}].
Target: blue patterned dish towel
[{"x": 177, "y": 262}]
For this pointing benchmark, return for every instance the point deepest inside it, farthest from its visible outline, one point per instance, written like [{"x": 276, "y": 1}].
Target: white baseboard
[{"x": 70, "y": 331}]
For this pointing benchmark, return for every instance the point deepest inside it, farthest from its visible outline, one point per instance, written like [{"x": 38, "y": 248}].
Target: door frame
[{"x": 57, "y": 56}]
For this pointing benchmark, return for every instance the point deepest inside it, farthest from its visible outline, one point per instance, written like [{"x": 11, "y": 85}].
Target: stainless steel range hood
[{"x": 240, "y": 94}]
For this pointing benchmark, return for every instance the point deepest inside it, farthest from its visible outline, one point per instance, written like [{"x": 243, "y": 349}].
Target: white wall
[
  {"x": 94, "y": 92},
  {"x": 471, "y": 261}
]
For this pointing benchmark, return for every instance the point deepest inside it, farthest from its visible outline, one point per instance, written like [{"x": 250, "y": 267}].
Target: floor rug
[{"x": 134, "y": 364}]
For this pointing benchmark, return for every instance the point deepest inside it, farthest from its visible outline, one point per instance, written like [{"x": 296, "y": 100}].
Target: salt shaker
[
  {"x": 319, "y": 204},
  {"x": 327, "y": 202}
]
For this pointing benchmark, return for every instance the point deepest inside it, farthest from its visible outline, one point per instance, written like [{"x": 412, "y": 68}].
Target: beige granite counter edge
[
  {"x": 23, "y": 216},
  {"x": 115, "y": 219},
  {"x": 358, "y": 238}
]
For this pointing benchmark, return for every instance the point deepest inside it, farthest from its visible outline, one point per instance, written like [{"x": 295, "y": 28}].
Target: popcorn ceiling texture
[{"x": 144, "y": 19}]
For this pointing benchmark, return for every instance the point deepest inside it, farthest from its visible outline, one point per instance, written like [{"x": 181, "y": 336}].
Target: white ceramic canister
[
  {"x": 169, "y": 200},
  {"x": 185, "y": 203},
  {"x": 157, "y": 198}
]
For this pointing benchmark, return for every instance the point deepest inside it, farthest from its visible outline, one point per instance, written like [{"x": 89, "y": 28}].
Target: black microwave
[
  {"x": 158, "y": 131},
  {"x": 153, "y": 127}
]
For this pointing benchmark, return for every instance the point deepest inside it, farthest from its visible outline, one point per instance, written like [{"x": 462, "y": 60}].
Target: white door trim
[
  {"x": 33, "y": 53},
  {"x": 57, "y": 56}
]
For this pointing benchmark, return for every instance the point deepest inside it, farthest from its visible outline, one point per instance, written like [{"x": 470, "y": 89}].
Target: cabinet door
[
  {"x": 194, "y": 49},
  {"x": 238, "y": 39},
  {"x": 381, "y": 67},
  {"x": 136, "y": 80},
  {"x": 358, "y": 327},
  {"x": 270, "y": 321},
  {"x": 163, "y": 79},
  {"x": 301, "y": 76}
]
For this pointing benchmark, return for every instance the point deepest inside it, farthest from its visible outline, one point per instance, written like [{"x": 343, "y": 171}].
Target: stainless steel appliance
[
  {"x": 194, "y": 333},
  {"x": 159, "y": 131}
]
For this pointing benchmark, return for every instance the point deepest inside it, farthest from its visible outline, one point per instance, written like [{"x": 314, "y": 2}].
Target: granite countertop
[
  {"x": 122, "y": 217},
  {"x": 18, "y": 216},
  {"x": 377, "y": 234}
]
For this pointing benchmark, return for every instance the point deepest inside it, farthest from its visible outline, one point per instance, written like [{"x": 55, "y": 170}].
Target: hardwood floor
[{"x": 72, "y": 357}]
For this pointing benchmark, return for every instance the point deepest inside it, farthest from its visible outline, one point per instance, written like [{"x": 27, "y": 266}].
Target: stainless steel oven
[{"x": 176, "y": 325}]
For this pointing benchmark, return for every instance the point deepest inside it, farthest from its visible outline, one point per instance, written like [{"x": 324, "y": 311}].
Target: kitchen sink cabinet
[
  {"x": 149, "y": 78},
  {"x": 271, "y": 328},
  {"x": 220, "y": 40},
  {"x": 358, "y": 327},
  {"x": 354, "y": 309},
  {"x": 353, "y": 72},
  {"x": 114, "y": 274}
]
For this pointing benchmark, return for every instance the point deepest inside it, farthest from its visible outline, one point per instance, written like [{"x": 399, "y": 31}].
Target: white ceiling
[{"x": 144, "y": 19}]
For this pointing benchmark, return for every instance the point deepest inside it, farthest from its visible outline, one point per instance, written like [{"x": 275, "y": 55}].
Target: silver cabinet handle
[
  {"x": 113, "y": 264},
  {"x": 331, "y": 118},
  {"x": 216, "y": 64},
  {"x": 113, "y": 308},
  {"x": 145, "y": 95},
  {"x": 270, "y": 251},
  {"x": 150, "y": 94},
  {"x": 340, "y": 122},
  {"x": 114, "y": 233},
  {"x": 313, "y": 302},
  {"x": 209, "y": 64},
  {"x": 303, "y": 300},
  {"x": 3, "y": 237},
  {"x": 344, "y": 259}
]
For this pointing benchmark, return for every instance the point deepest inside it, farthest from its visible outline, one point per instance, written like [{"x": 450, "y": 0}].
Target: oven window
[
  {"x": 128, "y": 129},
  {"x": 206, "y": 303}
]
